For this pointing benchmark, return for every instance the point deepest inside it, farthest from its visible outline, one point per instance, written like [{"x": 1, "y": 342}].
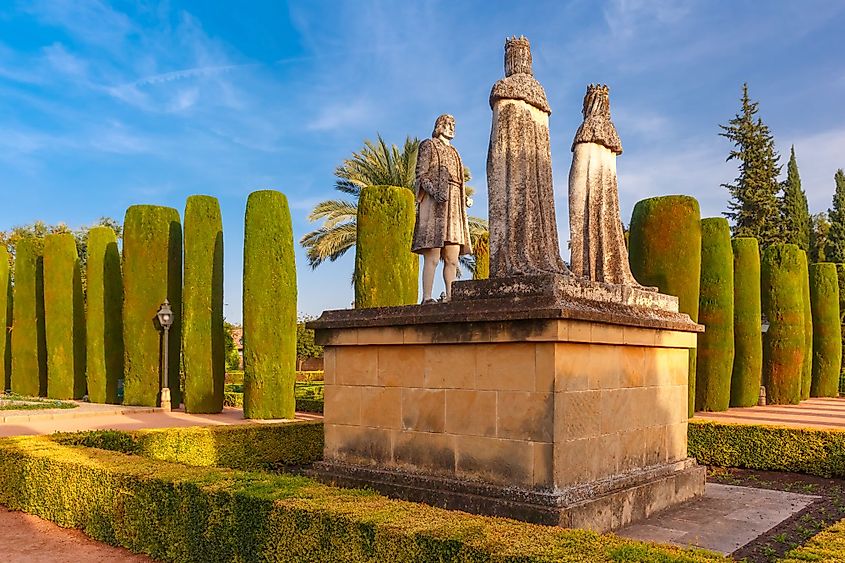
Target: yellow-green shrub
[
  {"x": 5, "y": 318},
  {"x": 829, "y": 545},
  {"x": 29, "y": 339}
]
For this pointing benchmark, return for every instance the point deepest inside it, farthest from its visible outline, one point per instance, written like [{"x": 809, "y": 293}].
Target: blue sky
[{"x": 105, "y": 105}]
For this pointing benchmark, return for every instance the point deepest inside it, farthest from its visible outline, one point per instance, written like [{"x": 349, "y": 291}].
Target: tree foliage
[
  {"x": 835, "y": 244},
  {"x": 306, "y": 347},
  {"x": 754, "y": 207},
  {"x": 796, "y": 224},
  {"x": 233, "y": 359},
  {"x": 819, "y": 230}
]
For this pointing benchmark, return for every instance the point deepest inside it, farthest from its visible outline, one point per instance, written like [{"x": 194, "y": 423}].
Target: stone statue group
[{"x": 523, "y": 227}]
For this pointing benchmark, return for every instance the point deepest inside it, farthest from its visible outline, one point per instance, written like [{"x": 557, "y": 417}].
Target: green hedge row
[
  {"x": 104, "y": 328},
  {"x": 827, "y": 338},
  {"x": 269, "y": 307},
  {"x": 29, "y": 339},
  {"x": 664, "y": 248},
  {"x": 807, "y": 366},
  {"x": 303, "y": 404},
  {"x": 386, "y": 271},
  {"x": 5, "y": 318},
  {"x": 203, "y": 349},
  {"x": 242, "y": 446},
  {"x": 748, "y": 337},
  {"x": 768, "y": 448},
  {"x": 173, "y": 512},
  {"x": 64, "y": 318},
  {"x": 828, "y": 545}
]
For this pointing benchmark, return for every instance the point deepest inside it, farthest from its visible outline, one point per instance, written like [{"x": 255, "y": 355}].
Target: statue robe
[
  {"x": 523, "y": 228},
  {"x": 597, "y": 241}
]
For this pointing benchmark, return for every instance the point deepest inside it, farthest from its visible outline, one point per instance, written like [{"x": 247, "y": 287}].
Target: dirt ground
[{"x": 29, "y": 539}]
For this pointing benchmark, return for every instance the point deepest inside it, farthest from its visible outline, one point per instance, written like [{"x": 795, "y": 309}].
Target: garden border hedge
[{"x": 173, "y": 512}]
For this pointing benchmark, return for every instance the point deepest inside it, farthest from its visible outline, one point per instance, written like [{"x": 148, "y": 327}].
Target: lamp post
[{"x": 165, "y": 319}]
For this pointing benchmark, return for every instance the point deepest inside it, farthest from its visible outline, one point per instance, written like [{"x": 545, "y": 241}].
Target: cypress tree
[
  {"x": 754, "y": 208},
  {"x": 202, "y": 323},
  {"x": 5, "y": 310},
  {"x": 835, "y": 246},
  {"x": 748, "y": 338},
  {"x": 807, "y": 367},
  {"x": 827, "y": 336},
  {"x": 796, "y": 213},
  {"x": 481, "y": 248},
  {"x": 716, "y": 313},
  {"x": 29, "y": 340},
  {"x": 782, "y": 277},
  {"x": 152, "y": 273},
  {"x": 819, "y": 230},
  {"x": 386, "y": 271},
  {"x": 269, "y": 307},
  {"x": 64, "y": 318},
  {"x": 840, "y": 277},
  {"x": 664, "y": 248},
  {"x": 104, "y": 327}
]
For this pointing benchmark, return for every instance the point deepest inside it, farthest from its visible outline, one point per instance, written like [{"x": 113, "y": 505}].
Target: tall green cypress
[
  {"x": 664, "y": 248},
  {"x": 716, "y": 313},
  {"x": 754, "y": 208},
  {"x": 827, "y": 336},
  {"x": 104, "y": 328},
  {"x": 807, "y": 367},
  {"x": 29, "y": 340},
  {"x": 481, "y": 248},
  {"x": 386, "y": 271},
  {"x": 840, "y": 277},
  {"x": 152, "y": 273},
  {"x": 794, "y": 209},
  {"x": 64, "y": 318},
  {"x": 748, "y": 338},
  {"x": 835, "y": 247},
  {"x": 784, "y": 346},
  {"x": 269, "y": 307},
  {"x": 203, "y": 349},
  {"x": 5, "y": 324}
]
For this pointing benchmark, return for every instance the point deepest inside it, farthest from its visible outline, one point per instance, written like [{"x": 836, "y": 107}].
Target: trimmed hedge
[
  {"x": 64, "y": 318},
  {"x": 828, "y": 545},
  {"x": 152, "y": 272},
  {"x": 269, "y": 307},
  {"x": 173, "y": 512},
  {"x": 827, "y": 338},
  {"x": 716, "y": 312},
  {"x": 748, "y": 337},
  {"x": 203, "y": 348},
  {"x": 386, "y": 271},
  {"x": 768, "y": 448},
  {"x": 807, "y": 366},
  {"x": 242, "y": 446},
  {"x": 781, "y": 288},
  {"x": 104, "y": 329},
  {"x": 303, "y": 404},
  {"x": 840, "y": 276},
  {"x": 6, "y": 323},
  {"x": 664, "y": 249},
  {"x": 29, "y": 339}
]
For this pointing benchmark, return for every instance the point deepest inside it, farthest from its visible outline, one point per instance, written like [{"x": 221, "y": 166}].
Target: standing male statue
[
  {"x": 523, "y": 228},
  {"x": 597, "y": 241},
  {"x": 441, "y": 231}
]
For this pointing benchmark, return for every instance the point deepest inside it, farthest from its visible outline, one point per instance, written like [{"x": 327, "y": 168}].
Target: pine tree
[
  {"x": 794, "y": 209},
  {"x": 835, "y": 246},
  {"x": 820, "y": 227},
  {"x": 754, "y": 208}
]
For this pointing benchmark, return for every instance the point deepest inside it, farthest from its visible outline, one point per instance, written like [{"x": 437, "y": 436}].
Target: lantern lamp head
[{"x": 165, "y": 314}]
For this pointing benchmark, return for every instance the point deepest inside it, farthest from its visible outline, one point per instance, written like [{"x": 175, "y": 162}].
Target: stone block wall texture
[
  {"x": 748, "y": 337},
  {"x": 664, "y": 249},
  {"x": 269, "y": 307},
  {"x": 807, "y": 366},
  {"x": 203, "y": 349},
  {"x": 827, "y": 341},
  {"x": 386, "y": 271},
  {"x": 152, "y": 272},
  {"x": 5, "y": 315},
  {"x": 538, "y": 413},
  {"x": 29, "y": 341},
  {"x": 781, "y": 289},
  {"x": 716, "y": 312},
  {"x": 64, "y": 318},
  {"x": 104, "y": 319}
]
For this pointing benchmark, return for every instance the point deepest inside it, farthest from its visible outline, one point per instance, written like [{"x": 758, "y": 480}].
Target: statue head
[
  {"x": 445, "y": 125},
  {"x": 597, "y": 101},
  {"x": 517, "y": 56}
]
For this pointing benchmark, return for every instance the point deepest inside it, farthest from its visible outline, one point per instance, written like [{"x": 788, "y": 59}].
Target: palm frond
[
  {"x": 334, "y": 212},
  {"x": 329, "y": 243}
]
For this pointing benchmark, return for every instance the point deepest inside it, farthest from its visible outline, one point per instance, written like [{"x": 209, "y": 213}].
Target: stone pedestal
[{"x": 558, "y": 410}]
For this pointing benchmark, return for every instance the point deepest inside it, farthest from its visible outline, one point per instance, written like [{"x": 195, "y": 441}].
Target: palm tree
[{"x": 376, "y": 165}]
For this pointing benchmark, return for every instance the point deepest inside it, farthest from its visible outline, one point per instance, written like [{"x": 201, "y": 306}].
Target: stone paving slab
[
  {"x": 82, "y": 410},
  {"x": 726, "y": 518},
  {"x": 825, "y": 413}
]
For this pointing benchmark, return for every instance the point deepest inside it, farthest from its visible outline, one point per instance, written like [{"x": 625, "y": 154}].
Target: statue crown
[
  {"x": 597, "y": 100},
  {"x": 517, "y": 55}
]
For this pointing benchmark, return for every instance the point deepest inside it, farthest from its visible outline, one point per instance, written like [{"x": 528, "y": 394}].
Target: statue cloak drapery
[{"x": 523, "y": 227}]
